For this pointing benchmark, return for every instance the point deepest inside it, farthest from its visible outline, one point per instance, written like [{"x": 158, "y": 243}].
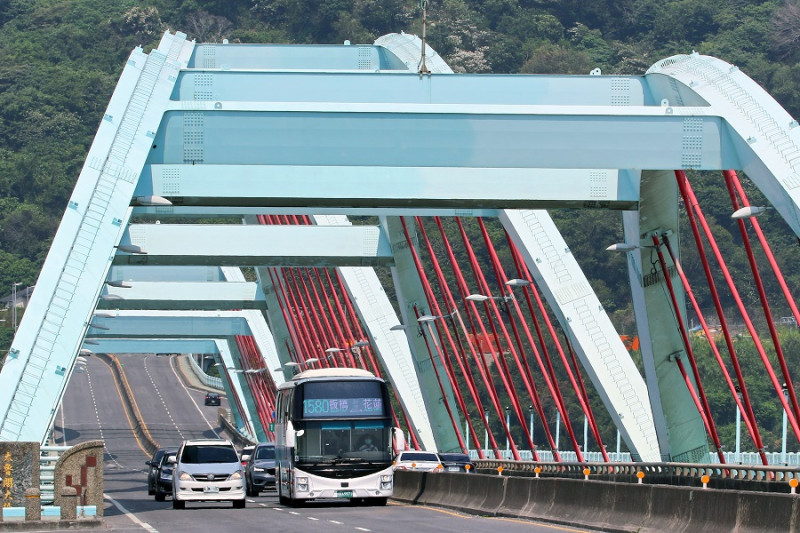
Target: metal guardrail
[{"x": 738, "y": 477}]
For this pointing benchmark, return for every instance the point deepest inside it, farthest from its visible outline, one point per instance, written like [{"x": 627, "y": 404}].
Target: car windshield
[
  {"x": 209, "y": 454},
  {"x": 265, "y": 452},
  {"x": 419, "y": 456},
  {"x": 455, "y": 457}
]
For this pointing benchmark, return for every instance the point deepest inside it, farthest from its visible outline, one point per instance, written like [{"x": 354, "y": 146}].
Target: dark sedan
[
  {"x": 456, "y": 462},
  {"x": 152, "y": 472},
  {"x": 164, "y": 475},
  {"x": 212, "y": 398},
  {"x": 260, "y": 471}
]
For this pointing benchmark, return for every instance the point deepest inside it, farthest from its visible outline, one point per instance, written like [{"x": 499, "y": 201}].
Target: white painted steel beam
[
  {"x": 590, "y": 331},
  {"x": 42, "y": 355},
  {"x": 384, "y": 186},
  {"x": 185, "y": 295},
  {"x": 253, "y": 245}
]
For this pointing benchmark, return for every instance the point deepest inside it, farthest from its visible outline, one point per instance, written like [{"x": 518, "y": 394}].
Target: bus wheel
[
  {"x": 284, "y": 500},
  {"x": 377, "y": 501}
]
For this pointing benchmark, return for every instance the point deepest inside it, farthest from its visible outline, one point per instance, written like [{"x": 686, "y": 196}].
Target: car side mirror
[
  {"x": 245, "y": 457},
  {"x": 172, "y": 460}
]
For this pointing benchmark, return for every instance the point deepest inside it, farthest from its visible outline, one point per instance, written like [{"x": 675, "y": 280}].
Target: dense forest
[{"x": 60, "y": 59}]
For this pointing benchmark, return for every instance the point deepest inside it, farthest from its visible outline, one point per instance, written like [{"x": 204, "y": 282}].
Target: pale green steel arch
[{"x": 366, "y": 114}]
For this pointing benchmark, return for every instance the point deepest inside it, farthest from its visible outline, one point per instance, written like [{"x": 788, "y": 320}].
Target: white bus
[{"x": 334, "y": 437}]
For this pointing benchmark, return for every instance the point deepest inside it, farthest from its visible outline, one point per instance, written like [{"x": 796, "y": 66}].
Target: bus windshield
[{"x": 344, "y": 441}]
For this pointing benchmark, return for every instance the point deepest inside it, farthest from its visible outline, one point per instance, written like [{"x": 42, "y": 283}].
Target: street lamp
[
  {"x": 622, "y": 247},
  {"x": 750, "y": 211}
]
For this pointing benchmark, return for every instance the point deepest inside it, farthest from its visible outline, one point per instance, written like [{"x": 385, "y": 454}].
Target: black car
[
  {"x": 164, "y": 475},
  {"x": 260, "y": 471},
  {"x": 152, "y": 472},
  {"x": 456, "y": 462},
  {"x": 212, "y": 398}
]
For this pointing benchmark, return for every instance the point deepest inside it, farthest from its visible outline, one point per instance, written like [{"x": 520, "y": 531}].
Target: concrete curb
[
  {"x": 603, "y": 505},
  {"x": 53, "y": 525}
]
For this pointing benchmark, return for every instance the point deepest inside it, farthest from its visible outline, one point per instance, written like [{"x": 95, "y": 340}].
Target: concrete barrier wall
[
  {"x": 644, "y": 508},
  {"x": 129, "y": 404}
]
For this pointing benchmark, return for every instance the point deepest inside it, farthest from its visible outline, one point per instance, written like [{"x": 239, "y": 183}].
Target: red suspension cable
[
  {"x": 691, "y": 202},
  {"x": 729, "y": 177}
]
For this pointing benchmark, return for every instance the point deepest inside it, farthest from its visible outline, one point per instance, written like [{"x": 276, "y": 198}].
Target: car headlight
[
  {"x": 184, "y": 476},
  {"x": 236, "y": 475}
]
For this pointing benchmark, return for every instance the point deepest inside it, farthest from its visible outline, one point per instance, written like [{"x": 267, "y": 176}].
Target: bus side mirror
[
  {"x": 399, "y": 439},
  {"x": 290, "y": 435}
]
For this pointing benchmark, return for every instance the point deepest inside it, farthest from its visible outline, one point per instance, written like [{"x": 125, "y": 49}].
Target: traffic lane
[
  {"x": 77, "y": 406},
  {"x": 396, "y": 516},
  {"x": 155, "y": 411},
  {"x": 171, "y": 411},
  {"x": 122, "y": 448},
  {"x": 147, "y": 514}
]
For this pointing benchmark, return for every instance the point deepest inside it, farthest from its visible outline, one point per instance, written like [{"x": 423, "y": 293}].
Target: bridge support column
[{"x": 410, "y": 294}]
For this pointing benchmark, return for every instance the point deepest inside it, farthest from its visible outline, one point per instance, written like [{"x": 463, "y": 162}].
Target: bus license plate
[{"x": 344, "y": 493}]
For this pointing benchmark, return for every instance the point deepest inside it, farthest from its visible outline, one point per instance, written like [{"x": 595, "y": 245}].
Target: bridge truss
[{"x": 339, "y": 179}]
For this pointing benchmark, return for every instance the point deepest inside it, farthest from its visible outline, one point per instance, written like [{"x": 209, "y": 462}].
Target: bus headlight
[
  {"x": 301, "y": 483},
  {"x": 386, "y": 482}
]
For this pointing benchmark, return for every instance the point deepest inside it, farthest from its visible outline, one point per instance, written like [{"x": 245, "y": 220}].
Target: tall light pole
[
  {"x": 558, "y": 427},
  {"x": 14, "y": 303},
  {"x": 737, "y": 459},
  {"x": 585, "y": 434},
  {"x": 530, "y": 410},
  {"x": 486, "y": 434},
  {"x": 508, "y": 428},
  {"x": 783, "y": 434}
]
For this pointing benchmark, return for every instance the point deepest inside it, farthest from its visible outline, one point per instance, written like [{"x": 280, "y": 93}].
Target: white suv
[{"x": 207, "y": 470}]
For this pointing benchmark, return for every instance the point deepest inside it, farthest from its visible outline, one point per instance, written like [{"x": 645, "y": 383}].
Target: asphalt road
[{"x": 92, "y": 409}]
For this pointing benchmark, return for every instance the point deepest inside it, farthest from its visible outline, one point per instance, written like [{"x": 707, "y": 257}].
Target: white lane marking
[
  {"x": 294, "y": 513},
  {"x": 145, "y": 526},
  {"x": 362, "y": 529},
  {"x": 336, "y": 522},
  {"x": 174, "y": 371},
  {"x": 312, "y": 518},
  {"x": 160, "y": 397}
]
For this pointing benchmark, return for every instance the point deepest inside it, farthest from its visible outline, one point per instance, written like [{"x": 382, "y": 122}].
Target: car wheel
[
  {"x": 178, "y": 504},
  {"x": 255, "y": 492},
  {"x": 160, "y": 495},
  {"x": 239, "y": 504}
]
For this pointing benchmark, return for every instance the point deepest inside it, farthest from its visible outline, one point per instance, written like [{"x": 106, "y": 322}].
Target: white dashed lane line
[{"x": 160, "y": 397}]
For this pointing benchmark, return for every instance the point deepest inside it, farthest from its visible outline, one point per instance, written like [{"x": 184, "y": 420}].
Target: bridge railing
[
  {"x": 48, "y": 457},
  {"x": 734, "y": 477}
]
